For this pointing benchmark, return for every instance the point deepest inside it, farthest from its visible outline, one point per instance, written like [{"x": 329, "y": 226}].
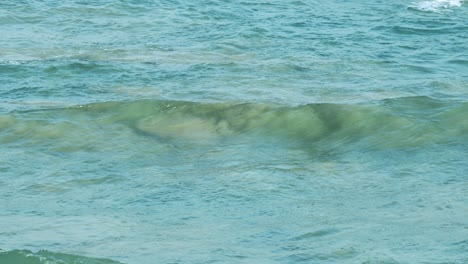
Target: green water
[
  {"x": 28, "y": 257},
  {"x": 233, "y": 132}
]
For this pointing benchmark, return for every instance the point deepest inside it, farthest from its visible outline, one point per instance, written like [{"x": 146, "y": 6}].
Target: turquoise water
[{"x": 233, "y": 131}]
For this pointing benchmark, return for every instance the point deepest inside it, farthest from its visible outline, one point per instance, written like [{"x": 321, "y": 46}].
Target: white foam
[{"x": 437, "y": 5}]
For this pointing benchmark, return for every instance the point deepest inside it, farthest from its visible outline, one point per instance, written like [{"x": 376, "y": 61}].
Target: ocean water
[{"x": 233, "y": 131}]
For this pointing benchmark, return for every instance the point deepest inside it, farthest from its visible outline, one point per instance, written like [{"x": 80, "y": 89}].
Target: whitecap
[{"x": 436, "y": 5}]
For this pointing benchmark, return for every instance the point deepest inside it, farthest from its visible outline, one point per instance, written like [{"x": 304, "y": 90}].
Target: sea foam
[{"x": 436, "y": 5}]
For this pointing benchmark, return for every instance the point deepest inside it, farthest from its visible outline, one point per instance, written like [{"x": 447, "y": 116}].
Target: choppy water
[{"x": 233, "y": 131}]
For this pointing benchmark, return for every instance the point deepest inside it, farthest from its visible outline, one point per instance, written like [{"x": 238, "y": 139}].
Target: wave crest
[
  {"x": 401, "y": 122},
  {"x": 47, "y": 257},
  {"x": 436, "y": 5}
]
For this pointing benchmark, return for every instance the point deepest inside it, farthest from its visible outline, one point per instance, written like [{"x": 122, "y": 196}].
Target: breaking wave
[{"x": 436, "y": 5}]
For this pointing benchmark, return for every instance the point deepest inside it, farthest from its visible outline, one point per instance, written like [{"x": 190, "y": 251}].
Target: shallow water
[{"x": 233, "y": 132}]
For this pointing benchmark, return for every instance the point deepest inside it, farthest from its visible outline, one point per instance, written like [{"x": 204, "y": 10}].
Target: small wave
[
  {"x": 400, "y": 122},
  {"x": 436, "y": 5},
  {"x": 47, "y": 257}
]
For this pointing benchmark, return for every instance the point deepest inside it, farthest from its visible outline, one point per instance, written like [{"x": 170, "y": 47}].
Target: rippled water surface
[{"x": 233, "y": 131}]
